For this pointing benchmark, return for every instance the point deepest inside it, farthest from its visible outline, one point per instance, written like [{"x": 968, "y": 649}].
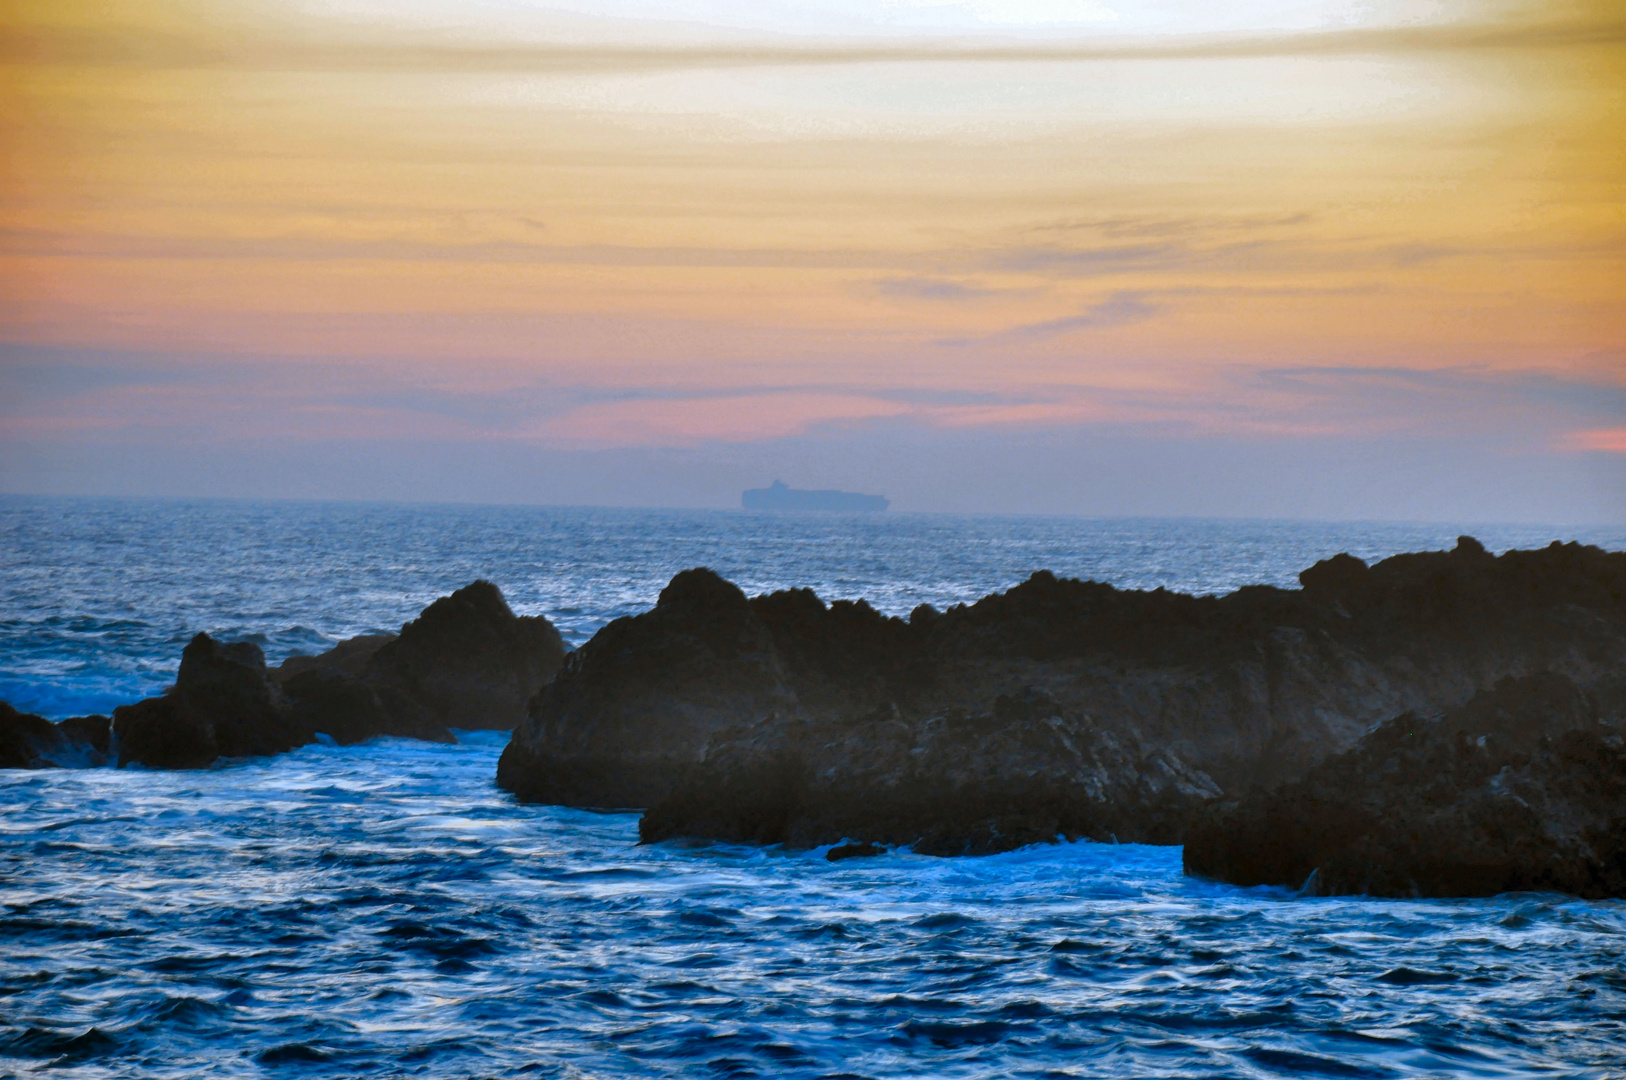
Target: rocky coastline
[
  {"x": 1262, "y": 728},
  {"x": 1522, "y": 789},
  {"x": 1058, "y": 708},
  {"x": 28, "y": 741},
  {"x": 467, "y": 661}
]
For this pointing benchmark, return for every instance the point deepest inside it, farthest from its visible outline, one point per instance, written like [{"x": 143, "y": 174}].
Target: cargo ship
[{"x": 780, "y": 496}]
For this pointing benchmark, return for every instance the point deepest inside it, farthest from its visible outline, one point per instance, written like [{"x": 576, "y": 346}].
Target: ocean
[{"x": 384, "y": 910}]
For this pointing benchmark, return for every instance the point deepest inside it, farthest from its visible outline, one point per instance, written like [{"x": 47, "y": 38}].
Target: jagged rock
[
  {"x": 1520, "y": 789},
  {"x": 348, "y": 657},
  {"x": 466, "y": 661},
  {"x": 644, "y": 699},
  {"x": 1058, "y": 707},
  {"x": 24, "y": 738},
  {"x": 951, "y": 784},
  {"x": 222, "y": 705},
  {"x": 28, "y": 741},
  {"x": 93, "y": 732},
  {"x": 469, "y": 660}
]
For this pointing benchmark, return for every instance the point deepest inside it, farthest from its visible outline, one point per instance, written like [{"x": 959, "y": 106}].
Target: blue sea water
[{"x": 384, "y": 910}]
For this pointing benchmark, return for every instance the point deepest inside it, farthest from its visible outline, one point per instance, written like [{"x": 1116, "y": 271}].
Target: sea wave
[{"x": 383, "y": 910}]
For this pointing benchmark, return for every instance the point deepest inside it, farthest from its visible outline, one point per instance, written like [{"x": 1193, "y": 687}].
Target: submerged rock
[
  {"x": 1059, "y": 707},
  {"x": 1520, "y": 789},
  {"x": 467, "y": 661},
  {"x": 28, "y": 741}
]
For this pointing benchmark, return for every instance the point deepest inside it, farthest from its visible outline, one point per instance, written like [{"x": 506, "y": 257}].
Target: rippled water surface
[
  {"x": 383, "y": 910},
  {"x": 97, "y": 597}
]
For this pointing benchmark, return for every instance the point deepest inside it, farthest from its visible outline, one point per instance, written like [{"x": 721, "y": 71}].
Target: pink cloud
[
  {"x": 1604, "y": 440},
  {"x": 725, "y": 418}
]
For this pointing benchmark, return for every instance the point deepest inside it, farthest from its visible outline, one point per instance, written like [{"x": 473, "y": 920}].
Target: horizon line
[{"x": 865, "y": 515}]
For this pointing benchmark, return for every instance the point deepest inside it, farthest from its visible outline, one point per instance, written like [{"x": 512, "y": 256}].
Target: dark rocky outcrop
[
  {"x": 467, "y": 661},
  {"x": 222, "y": 705},
  {"x": 1520, "y": 789},
  {"x": 33, "y": 742},
  {"x": 634, "y": 702},
  {"x": 781, "y": 719},
  {"x": 348, "y": 657},
  {"x": 1058, "y": 707},
  {"x": 954, "y": 782}
]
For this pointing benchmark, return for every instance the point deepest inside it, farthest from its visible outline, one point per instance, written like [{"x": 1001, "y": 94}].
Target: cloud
[
  {"x": 1098, "y": 260},
  {"x": 1300, "y": 439},
  {"x": 452, "y": 248},
  {"x": 1295, "y": 252},
  {"x": 715, "y": 418},
  {"x": 1116, "y": 310},
  {"x": 258, "y": 39},
  {"x": 1145, "y": 226},
  {"x": 936, "y": 289},
  {"x": 201, "y": 400},
  {"x": 1596, "y": 440},
  {"x": 1529, "y": 412},
  {"x": 1119, "y": 309}
]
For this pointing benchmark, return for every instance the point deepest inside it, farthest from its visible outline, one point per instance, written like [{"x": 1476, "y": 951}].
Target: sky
[{"x": 1338, "y": 259}]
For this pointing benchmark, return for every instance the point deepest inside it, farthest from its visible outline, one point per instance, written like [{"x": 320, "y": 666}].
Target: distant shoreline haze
[{"x": 781, "y": 496}]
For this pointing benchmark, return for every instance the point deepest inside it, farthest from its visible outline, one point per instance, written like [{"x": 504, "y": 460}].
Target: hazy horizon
[{"x": 1593, "y": 527}]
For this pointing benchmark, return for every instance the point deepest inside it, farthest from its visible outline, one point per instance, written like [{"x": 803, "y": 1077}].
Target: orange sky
[{"x": 685, "y": 224}]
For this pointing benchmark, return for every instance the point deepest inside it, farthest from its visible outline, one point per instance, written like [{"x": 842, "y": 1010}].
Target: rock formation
[
  {"x": 33, "y": 742},
  {"x": 1058, "y": 707},
  {"x": 1519, "y": 789},
  {"x": 467, "y": 661},
  {"x": 222, "y": 705}
]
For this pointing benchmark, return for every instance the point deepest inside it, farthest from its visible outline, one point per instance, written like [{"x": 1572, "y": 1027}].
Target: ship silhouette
[{"x": 780, "y": 496}]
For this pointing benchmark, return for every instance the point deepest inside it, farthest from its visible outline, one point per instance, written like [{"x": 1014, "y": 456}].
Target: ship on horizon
[{"x": 781, "y": 496}]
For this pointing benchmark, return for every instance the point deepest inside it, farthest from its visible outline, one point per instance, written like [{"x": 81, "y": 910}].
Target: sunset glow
[{"x": 640, "y": 227}]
